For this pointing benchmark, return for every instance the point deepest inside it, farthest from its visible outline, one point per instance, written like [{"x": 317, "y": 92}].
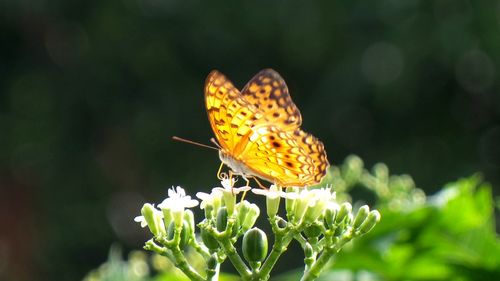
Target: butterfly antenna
[
  {"x": 215, "y": 142},
  {"x": 193, "y": 142}
]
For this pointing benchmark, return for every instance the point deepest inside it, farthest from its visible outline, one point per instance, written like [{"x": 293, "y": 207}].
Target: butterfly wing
[
  {"x": 268, "y": 92},
  {"x": 315, "y": 149},
  {"x": 285, "y": 157},
  {"x": 231, "y": 116}
]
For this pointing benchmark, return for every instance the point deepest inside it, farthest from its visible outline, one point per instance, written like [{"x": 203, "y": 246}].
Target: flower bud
[
  {"x": 301, "y": 205},
  {"x": 331, "y": 214},
  {"x": 290, "y": 201},
  {"x": 251, "y": 217},
  {"x": 242, "y": 209},
  {"x": 209, "y": 240},
  {"x": 184, "y": 236},
  {"x": 221, "y": 222},
  {"x": 345, "y": 210},
  {"x": 217, "y": 201},
  {"x": 229, "y": 201},
  {"x": 352, "y": 169},
  {"x": 360, "y": 216},
  {"x": 308, "y": 250},
  {"x": 153, "y": 219},
  {"x": 381, "y": 172},
  {"x": 371, "y": 220},
  {"x": 189, "y": 219},
  {"x": 273, "y": 201},
  {"x": 255, "y": 245},
  {"x": 167, "y": 216},
  {"x": 314, "y": 212},
  {"x": 178, "y": 216},
  {"x": 209, "y": 210}
]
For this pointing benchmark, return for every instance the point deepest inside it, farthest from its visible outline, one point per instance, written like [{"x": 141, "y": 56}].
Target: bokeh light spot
[{"x": 382, "y": 63}]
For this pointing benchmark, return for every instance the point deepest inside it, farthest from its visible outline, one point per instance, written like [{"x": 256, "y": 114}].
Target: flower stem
[
  {"x": 177, "y": 258},
  {"x": 201, "y": 249},
  {"x": 312, "y": 272},
  {"x": 235, "y": 258},
  {"x": 283, "y": 238}
]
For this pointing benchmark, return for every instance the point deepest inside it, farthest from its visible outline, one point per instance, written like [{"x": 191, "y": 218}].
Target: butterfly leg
[
  {"x": 260, "y": 184},
  {"x": 247, "y": 182},
  {"x": 219, "y": 174}
]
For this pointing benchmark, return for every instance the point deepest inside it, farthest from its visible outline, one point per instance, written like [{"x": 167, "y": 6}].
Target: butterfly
[{"x": 258, "y": 131}]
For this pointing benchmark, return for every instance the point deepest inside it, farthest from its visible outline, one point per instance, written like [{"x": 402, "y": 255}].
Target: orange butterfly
[{"x": 258, "y": 131}]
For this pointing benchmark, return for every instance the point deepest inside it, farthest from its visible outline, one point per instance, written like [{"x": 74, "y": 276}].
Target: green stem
[
  {"x": 235, "y": 258},
  {"x": 177, "y": 258},
  {"x": 201, "y": 249},
  {"x": 314, "y": 271},
  {"x": 283, "y": 238}
]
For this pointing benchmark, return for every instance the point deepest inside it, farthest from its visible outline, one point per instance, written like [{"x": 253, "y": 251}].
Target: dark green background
[{"x": 92, "y": 91}]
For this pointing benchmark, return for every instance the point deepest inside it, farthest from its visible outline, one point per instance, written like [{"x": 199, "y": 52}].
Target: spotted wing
[
  {"x": 230, "y": 115},
  {"x": 285, "y": 157},
  {"x": 268, "y": 92},
  {"x": 315, "y": 149}
]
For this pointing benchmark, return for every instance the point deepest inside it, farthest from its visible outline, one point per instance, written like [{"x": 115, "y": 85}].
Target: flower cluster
[{"x": 313, "y": 218}]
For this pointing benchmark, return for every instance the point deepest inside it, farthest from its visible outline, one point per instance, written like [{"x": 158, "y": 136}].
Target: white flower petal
[
  {"x": 142, "y": 220},
  {"x": 202, "y": 195}
]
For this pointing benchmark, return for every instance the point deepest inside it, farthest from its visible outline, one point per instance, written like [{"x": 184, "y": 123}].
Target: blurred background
[{"x": 92, "y": 91}]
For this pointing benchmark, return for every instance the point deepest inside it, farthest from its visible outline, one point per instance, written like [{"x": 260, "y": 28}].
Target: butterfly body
[{"x": 259, "y": 132}]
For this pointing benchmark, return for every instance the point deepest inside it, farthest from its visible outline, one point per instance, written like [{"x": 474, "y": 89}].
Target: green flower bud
[
  {"x": 381, "y": 172},
  {"x": 178, "y": 216},
  {"x": 209, "y": 240},
  {"x": 229, "y": 201},
  {"x": 242, "y": 208},
  {"x": 255, "y": 245},
  {"x": 331, "y": 214},
  {"x": 360, "y": 216},
  {"x": 308, "y": 251},
  {"x": 221, "y": 222},
  {"x": 251, "y": 217},
  {"x": 371, "y": 220},
  {"x": 314, "y": 212},
  {"x": 301, "y": 206},
  {"x": 273, "y": 201},
  {"x": 184, "y": 237},
  {"x": 153, "y": 219},
  {"x": 345, "y": 210},
  {"x": 167, "y": 216},
  {"x": 352, "y": 169},
  {"x": 209, "y": 210},
  {"x": 290, "y": 202},
  {"x": 217, "y": 201},
  {"x": 189, "y": 218}
]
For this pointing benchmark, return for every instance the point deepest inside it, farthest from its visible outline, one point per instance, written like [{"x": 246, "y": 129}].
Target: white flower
[
  {"x": 227, "y": 185},
  {"x": 177, "y": 200},
  {"x": 208, "y": 199},
  {"x": 272, "y": 193},
  {"x": 320, "y": 195},
  {"x": 312, "y": 201},
  {"x": 273, "y": 196}
]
